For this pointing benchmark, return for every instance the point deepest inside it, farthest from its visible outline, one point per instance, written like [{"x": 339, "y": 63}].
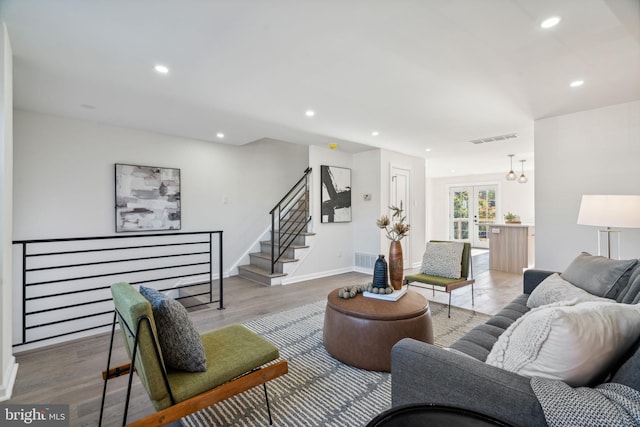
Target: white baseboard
[
  {"x": 319, "y": 275},
  {"x": 6, "y": 389}
]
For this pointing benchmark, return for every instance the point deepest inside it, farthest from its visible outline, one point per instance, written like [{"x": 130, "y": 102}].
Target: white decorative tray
[{"x": 394, "y": 296}]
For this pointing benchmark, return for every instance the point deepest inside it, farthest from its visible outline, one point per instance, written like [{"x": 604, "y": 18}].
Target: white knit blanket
[{"x": 609, "y": 404}]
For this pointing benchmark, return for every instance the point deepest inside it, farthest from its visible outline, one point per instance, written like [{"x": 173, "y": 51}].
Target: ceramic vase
[
  {"x": 395, "y": 265},
  {"x": 380, "y": 275}
]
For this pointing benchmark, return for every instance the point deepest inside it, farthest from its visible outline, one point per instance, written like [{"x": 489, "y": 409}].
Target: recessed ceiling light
[
  {"x": 161, "y": 69},
  {"x": 550, "y": 22},
  {"x": 427, "y": 149},
  {"x": 309, "y": 113},
  {"x": 576, "y": 83},
  {"x": 220, "y": 135},
  {"x": 375, "y": 133}
]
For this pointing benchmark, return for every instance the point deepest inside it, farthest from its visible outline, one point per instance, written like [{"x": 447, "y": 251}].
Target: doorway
[
  {"x": 400, "y": 194},
  {"x": 472, "y": 209}
]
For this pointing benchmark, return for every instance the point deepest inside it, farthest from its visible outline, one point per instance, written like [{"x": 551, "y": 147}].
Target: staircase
[{"x": 279, "y": 255}]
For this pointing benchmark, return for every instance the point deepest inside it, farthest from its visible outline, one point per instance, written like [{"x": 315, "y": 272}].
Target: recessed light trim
[
  {"x": 576, "y": 83},
  {"x": 309, "y": 113},
  {"x": 550, "y": 22},
  {"x": 161, "y": 69}
]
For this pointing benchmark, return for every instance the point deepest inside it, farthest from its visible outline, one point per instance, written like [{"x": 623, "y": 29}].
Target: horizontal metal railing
[{"x": 65, "y": 283}]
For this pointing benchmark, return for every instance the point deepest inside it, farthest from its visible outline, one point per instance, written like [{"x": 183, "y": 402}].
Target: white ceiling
[{"x": 424, "y": 73}]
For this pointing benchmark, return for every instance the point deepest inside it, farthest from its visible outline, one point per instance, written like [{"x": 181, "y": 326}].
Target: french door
[{"x": 472, "y": 209}]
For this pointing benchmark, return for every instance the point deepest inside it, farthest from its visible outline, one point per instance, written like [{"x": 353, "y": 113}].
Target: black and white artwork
[
  {"x": 147, "y": 198},
  {"x": 335, "y": 194}
]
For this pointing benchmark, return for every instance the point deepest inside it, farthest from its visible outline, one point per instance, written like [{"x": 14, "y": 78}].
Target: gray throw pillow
[
  {"x": 629, "y": 292},
  {"x": 598, "y": 275},
  {"x": 180, "y": 343},
  {"x": 443, "y": 259}
]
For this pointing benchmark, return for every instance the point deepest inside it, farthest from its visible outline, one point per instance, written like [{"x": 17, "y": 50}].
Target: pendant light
[
  {"x": 511, "y": 176},
  {"x": 522, "y": 178}
]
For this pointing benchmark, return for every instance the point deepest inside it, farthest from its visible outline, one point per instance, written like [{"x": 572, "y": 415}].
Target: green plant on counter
[{"x": 510, "y": 216}]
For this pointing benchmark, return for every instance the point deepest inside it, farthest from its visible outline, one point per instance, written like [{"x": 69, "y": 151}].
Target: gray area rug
[{"x": 319, "y": 390}]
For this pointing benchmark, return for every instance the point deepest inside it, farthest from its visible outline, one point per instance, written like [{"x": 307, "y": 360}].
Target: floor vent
[{"x": 365, "y": 260}]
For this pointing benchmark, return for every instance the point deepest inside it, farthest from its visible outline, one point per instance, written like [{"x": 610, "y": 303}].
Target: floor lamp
[{"x": 610, "y": 211}]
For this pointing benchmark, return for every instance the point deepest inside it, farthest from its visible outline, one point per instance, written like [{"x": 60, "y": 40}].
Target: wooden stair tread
[
  {"x": 292, "y": 246},
  {"x": 260, "y": 271},
  {"x": 265, "y": 255}
]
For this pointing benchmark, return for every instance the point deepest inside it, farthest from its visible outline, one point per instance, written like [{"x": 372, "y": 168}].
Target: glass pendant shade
[
  {"x": 511, "y": 176},
  {"x": 522, "y": 178}
]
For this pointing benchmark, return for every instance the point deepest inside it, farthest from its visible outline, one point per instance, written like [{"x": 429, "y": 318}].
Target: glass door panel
[
  {"x": 459, "y": 217},
  {"x": 484, "y": 215}
]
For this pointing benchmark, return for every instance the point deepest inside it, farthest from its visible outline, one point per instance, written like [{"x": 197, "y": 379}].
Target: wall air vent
[{"x": 494, "y": 138}]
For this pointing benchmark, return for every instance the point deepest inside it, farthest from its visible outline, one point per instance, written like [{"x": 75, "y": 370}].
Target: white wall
[
  {"x": 590, "y": 152},
  {"x": 331, "y": 249},
  {"x": 511, "y": 197},
  {"x": 8, "y": 367},
  {"x": 64, "y": 179},
  {"x": 367, "y": 180}
]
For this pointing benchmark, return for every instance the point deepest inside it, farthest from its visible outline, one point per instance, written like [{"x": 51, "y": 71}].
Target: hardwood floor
[{"x": 70, "y": 373}]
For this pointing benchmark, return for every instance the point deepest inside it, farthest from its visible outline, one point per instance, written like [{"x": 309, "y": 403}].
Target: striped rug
[{"x": 319, "y": 390}]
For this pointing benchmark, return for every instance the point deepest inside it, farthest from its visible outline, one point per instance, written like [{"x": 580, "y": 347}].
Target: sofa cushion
[
  {"x": 598, "y": 275},
  {"x": 478, "y": 342},
  {"x": 557, "y": 341},
  {"x": 180, "y": 343},
  {"x": 443, "y": 259},
  {"x": 554, "y": 289}
]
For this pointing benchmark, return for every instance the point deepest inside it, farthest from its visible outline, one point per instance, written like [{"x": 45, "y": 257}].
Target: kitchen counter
[{"x": 511, "y": 247}]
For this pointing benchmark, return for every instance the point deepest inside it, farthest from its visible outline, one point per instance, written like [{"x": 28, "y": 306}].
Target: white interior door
[{"x": 400, "y": 194}]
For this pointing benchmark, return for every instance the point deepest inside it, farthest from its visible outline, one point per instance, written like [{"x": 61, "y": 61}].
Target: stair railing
[{"x": 289, "y": 218}]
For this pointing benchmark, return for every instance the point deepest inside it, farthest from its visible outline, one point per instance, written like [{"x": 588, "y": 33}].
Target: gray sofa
[{"x": 423, "y": 373}]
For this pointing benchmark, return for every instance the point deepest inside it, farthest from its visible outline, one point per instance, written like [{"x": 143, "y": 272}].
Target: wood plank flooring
[{"x": 70, "y": 373}]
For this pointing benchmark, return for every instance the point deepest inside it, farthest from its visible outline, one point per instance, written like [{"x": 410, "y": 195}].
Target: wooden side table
[{"x": 360, "y": 331}]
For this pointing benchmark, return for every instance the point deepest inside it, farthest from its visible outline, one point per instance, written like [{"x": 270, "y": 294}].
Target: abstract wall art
[
  {"x": 147, "y": 198},
  {"x": 335, "y": 194}
]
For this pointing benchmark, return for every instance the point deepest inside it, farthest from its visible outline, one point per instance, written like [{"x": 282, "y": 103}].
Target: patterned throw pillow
[
  {"x": 572, "y": 342},
  {"x": 180, "y": 343},
  {"x": 443, "y": 259}
]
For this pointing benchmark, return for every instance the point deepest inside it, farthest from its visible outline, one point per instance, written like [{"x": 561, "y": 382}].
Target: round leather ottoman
[{"x": 360, "y": 331}]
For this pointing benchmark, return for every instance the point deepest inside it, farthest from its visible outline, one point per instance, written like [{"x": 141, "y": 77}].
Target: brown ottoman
[{"x": 360, "y": 331}]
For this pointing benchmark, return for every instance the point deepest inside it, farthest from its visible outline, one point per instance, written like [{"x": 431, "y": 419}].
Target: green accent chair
[
  {"x": 237, "y": 360},
  {"x": 445, "y": 284}
]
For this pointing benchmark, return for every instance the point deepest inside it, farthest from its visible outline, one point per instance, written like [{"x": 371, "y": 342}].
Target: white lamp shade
[{"x": 610, "y": 211}]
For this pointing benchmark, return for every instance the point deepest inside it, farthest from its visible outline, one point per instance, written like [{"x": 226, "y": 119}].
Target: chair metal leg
[
  {"x": 449, "y": 314},
  {"x": 266, "y": 398},
  {"x": 104, "y": 388},
  {"x": 473, "y": 303}
]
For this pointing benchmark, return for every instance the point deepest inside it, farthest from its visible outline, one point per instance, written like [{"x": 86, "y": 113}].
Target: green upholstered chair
[
  {"x": 445, "y": 284},
  {"x": 237, "y": 360}
]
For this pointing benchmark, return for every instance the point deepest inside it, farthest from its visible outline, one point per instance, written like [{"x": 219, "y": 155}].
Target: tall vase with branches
[{"x": 395, "y": 230}]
